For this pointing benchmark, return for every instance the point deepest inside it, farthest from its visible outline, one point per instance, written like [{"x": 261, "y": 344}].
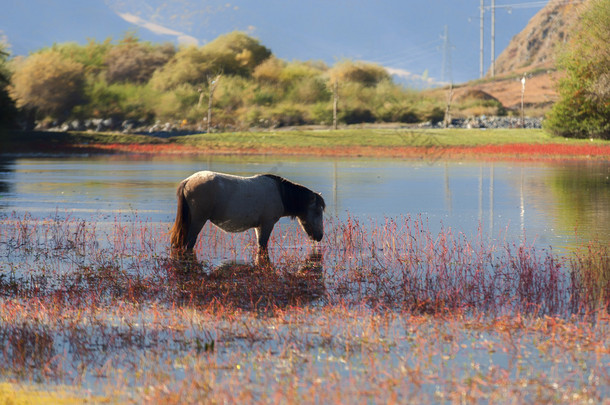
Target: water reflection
[
  {"x": 542, "y": 202},
  {"x": 250, "y": 286},
  {"x": 6, "y": 167},
  {"x": 582, "y": 191}
]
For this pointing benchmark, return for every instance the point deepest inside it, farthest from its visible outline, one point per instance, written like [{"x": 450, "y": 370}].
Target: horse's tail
[{"x": 179, "y": 231}]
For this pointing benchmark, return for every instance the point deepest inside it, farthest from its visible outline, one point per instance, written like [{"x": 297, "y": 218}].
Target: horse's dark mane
[{"x": 295, "y": 197}]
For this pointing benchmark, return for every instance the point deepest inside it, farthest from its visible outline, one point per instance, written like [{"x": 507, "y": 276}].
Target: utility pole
[
  {"x": 482, "y": 15},
  {"x": 447, "y": 118},
  {"x": 522, "y": 97},
  {"x": 446, "y": 70},
  {"x": 493, "y": 38}
]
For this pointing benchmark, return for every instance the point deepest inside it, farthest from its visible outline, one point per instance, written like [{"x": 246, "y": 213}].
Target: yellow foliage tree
[{"x": 48, "y": 83}]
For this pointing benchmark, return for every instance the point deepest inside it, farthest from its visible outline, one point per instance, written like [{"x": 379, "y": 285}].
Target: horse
[{"x": 235, "y": 204}]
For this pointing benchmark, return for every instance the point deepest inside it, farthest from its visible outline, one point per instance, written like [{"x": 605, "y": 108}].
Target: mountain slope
[
  {"x": 536, "y": 46},
  {"x": 532, "y": 52}
]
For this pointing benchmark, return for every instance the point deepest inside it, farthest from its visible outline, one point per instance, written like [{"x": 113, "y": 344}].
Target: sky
[{"x": 403, "y": 35}]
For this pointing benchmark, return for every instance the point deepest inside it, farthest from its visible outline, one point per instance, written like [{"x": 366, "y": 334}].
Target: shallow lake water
[
  {"x": 549, "y": 204},
  {"x": 127, "y": 202}
]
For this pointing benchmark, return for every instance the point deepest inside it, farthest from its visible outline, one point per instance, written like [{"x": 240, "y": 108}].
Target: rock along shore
[{"x": 170, "y": 129}]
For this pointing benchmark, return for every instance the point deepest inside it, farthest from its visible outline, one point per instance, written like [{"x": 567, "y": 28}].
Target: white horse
[{"x": 235, "y": 204}]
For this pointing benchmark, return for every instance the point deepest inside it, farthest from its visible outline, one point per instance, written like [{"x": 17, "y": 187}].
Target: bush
[
  {"x": 188, "y": 66},
  {"x": 119, "y": 100},
  {"x": 356, "y": 116},
  {"x": 269, "y": 71},
  {"x": 309, "y": 90},
  {"x": 135, "y": 61},
  {"x": 367, "y": 74},
  {"x": 133, "y": 79},
  {"x": 48, "y": 83},
  {"x": 287, "y": 115},
  {"x": 583, "y": 110}
]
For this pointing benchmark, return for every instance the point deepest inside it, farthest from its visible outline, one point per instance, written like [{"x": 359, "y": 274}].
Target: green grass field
[
  {"x": 377, "y": 138},
  {"x": 298, "y": 141}
]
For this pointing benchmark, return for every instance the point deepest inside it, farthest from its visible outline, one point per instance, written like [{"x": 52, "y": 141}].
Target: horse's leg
[
  {"x": 194, "y": 228},
  {"x": 263, "y": 233}
]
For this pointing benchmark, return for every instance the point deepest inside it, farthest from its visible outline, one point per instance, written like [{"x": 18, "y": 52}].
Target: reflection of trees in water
[
  {"x": 582, "y": 189},
  {"x": 6, "y": 166}
]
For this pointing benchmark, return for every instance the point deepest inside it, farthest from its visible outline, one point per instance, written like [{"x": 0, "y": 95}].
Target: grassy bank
[{"x": 451, "y": 143}]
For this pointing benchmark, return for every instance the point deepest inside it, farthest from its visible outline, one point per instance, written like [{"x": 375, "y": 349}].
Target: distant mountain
[{"x": 405, "y": 36}]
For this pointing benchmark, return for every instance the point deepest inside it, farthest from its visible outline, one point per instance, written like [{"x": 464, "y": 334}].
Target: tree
[
  {"x": 583, "y": 110},
  {"x": 135, "y": 62},
  {"x": 236, "y": 53},
  {"x": 7, "y": 106},
  {"x": 92, "y": 56},
  {"x": 48, "y": 83},
  {"x": 367, "y": 74},
  {"x": 233, "y": 54}
]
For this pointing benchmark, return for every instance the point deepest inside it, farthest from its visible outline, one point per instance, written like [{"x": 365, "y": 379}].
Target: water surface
[{"x": 556, "y": 204}]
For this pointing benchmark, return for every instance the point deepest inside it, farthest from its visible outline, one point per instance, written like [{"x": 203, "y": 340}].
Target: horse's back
[{"x": 233, "y": 203}]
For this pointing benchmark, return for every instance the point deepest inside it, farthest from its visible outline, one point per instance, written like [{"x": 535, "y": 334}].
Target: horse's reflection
[{"x": 254, "y": 285}]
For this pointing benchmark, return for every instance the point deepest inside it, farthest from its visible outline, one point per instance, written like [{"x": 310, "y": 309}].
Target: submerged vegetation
[{"x": 385, "y": 312}]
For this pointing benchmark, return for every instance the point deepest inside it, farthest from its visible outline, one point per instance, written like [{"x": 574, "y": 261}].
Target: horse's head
[{"x": 312, "y": 219}]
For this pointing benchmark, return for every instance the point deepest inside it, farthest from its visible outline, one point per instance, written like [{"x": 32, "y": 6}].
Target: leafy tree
[
  {"x": 584, "y": 107},
  {"x": 92, "y": 56},
  {"x": 233, "y": 54},
  {"x": 135, "y": 62},
  {"x": 48, "y": 83},
  {"x": 367, "y": 74},
  {"x": 269, "y": 71},
  {"x": 188, "y": 66},
  {"x": 236, "y": 53},
  {"x": 7, "y": 106}
]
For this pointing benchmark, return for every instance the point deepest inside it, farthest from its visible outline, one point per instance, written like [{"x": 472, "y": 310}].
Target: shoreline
[{"x": 362, "y": 143}]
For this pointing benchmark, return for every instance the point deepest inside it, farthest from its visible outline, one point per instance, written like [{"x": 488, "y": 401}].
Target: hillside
[
  {"x": 531, "y": 52},
  {"x": 536, "y": 46}
]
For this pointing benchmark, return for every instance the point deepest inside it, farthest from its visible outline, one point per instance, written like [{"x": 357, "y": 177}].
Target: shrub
[
  {"x": 188, "y": 66},
  {"x": 48, "y": 83},
  {"x": 309, "y": 90},
  {"x": 367, "y": 74},
  {"x": 229, "y": 94},
  {"x": 235, "y": 53},
  {"x": 136, "y": 62},
  {"x": 356, "y": 116},
  {"x": 134, "y": 79},
  {"x": 119, "y": 100},
  {"x": 583, "y": 110},
  {"x": 269, "y": 71},
  {"x": 286, "y": 114},
  {"x": 322, "y": 113}
]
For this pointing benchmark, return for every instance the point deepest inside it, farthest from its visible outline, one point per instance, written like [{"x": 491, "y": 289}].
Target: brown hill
[
  {"x": 536, "y": 46},
  {"x": 531, "y": 52}
]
